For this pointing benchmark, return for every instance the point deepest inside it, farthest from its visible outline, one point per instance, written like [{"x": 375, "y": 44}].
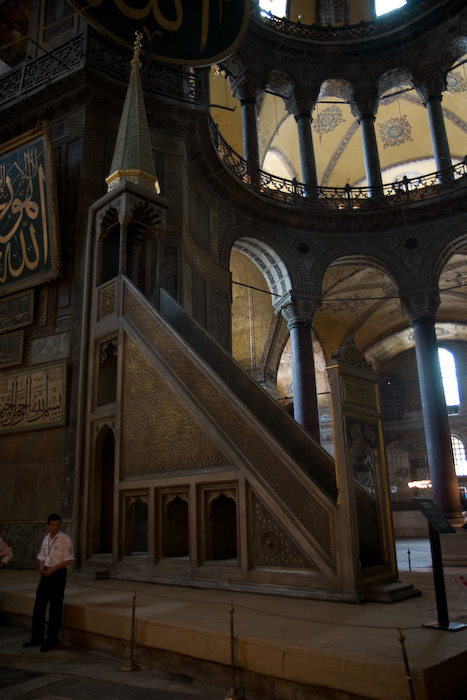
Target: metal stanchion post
[
  {"x": 131, "y": 664},
  {"x": 233, "y": 694},
  {"x": 408, "y": 673}
]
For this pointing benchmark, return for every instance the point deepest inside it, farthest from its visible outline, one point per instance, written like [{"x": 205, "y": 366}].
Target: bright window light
[
  {"x": 278, "y": 8},
  {"x": 383, "y": 6},
  {"x": 458, "y": 451},
  {"x": 449, "y": 374}
]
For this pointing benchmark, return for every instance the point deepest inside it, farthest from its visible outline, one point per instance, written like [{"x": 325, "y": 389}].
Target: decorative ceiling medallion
[
  {"x": 395, "y": 132},
  {"x": 455, "y": 83},
  {"x": 327, "y": 120}
]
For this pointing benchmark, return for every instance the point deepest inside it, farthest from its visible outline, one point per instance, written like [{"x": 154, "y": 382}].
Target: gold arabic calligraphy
[
  {"x": 22, "y": 213},
  {"x": 33, "y": 399},
  {"x": 170, "y": 25}
]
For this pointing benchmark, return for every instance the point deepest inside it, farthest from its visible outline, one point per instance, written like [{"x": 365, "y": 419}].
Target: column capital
[
  {"x": 245, "y": 89},
  {"x": 301, "y": 104},
  {"x": 420, "y": 308},
  {"x": 364, "y": 103},
  {"x": 431, "y": 88},
  {"x": 298, "y": 308}
]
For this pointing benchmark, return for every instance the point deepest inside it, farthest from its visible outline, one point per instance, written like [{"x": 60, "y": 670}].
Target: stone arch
[
  {"x": 102, "y": 501},
  {"x": 358, "y": 292},
  {"x": 452, "y": 53},
  {"x": 136, "y": 525},
  {"x": 334, "y": 129},
  {"x": 221, "y": 527},
  {"x": 259, "y": 278},
  {"x": 272, "y": 118},
  {"x": 175, "y": 527},
  {"x": 394, "y": 78}
]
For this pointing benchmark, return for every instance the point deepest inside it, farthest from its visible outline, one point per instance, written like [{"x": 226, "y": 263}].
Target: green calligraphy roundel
[{"x": 189, "y": 32}]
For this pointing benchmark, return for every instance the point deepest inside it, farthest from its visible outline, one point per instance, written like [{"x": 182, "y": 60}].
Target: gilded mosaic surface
[
  {"x": 161, "y": 435},
  {"x": 360, "y": 393},
  {"x": 258, "y": 453}
]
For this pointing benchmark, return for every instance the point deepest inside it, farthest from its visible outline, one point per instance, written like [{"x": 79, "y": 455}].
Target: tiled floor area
[{"x": 317, "y": 649}]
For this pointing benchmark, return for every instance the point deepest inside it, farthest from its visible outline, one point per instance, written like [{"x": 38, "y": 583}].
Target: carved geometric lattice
[{"x": 272, "y": 546}]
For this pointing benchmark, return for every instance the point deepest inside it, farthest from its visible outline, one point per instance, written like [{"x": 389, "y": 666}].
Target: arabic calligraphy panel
[
  {"x": 33, "y": 399},
  {"x": 11, "y": 349},
  {"x": 29, "y": 252},
  {"x": 189, "y": 32},
  {"x": 16, "y": 311}
]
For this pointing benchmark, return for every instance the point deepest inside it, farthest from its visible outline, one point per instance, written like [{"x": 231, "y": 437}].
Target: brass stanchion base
[{"x": 132, "y": 667}]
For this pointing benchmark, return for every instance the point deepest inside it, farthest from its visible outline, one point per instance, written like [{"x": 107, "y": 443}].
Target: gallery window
[
  {"x": 278, "y": 8},
  {"x": 383, "y": 6},
  {"x": 458, "y": 451},
  {"x": 450, "y": 384}
]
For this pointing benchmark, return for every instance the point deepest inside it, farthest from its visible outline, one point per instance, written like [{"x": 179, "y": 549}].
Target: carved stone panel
[{"x": 272, "y": 546}]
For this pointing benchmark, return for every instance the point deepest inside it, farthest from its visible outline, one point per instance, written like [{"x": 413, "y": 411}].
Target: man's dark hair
[{"x": 53, "y": 516}]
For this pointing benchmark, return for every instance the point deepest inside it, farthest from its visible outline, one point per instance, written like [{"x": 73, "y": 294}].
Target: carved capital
[
  {"x": 245, "y": 89},
  {"x": 364, "y": 103},
  {"x": 420, "y": 308},
  {"x": 431, "y": 87},
  {"x": 301, "y": 104},
  {"x": 298, "y": 308}
]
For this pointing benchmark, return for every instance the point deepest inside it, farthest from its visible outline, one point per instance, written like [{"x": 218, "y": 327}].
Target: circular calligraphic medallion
[{"x": 187, "y": 32}]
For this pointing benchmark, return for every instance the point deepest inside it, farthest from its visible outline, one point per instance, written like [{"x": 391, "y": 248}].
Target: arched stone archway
[{"x": 259, "y": 277}]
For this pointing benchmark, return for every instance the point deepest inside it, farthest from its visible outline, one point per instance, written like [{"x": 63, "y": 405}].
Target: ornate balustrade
[
  {"x": 93, "y": 51},
  {"x": 418, "y": 10},
  {"x": 345, "y": 198},
  {"x": 51, "y": 66}
]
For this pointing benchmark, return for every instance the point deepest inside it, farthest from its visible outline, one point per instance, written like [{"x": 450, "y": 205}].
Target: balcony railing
[
  {"x": 344, "y": 198},
  {"x": 414, "y": 10},
  {"x": 94, "y": 51}
]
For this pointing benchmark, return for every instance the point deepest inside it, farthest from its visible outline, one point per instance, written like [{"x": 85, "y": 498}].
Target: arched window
[
  {"x": 450, "y": 383},
  {"x": 383, "y": 6},
  {"x": 278, "y": 8},
  {"x": 460, "y": 461}
]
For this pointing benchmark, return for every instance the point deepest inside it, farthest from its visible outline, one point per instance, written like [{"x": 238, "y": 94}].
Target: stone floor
[
  {"x": 286, "y": 648},
  {"x": 74, "y": 674}
]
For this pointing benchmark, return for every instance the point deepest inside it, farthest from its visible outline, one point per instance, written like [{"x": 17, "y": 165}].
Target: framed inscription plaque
[
  {"x": 29, "y": 243},
  {"x": 33, "y": 399},
  {"x": 16, "y": 311},
  {"x": 11, "y": 349}
]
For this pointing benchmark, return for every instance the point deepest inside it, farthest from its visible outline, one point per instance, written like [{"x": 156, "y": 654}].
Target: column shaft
[
  {"x": 370, "y": 153},
  {"x": 443, "y": 476},
  {"x": 304, "y": 379},
  {"x": 439, "y": 138},
  {"x": 250, "y": 131},
  {"x": 307, "y": 151}
]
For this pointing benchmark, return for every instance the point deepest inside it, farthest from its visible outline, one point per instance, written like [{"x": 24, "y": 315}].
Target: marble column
[
  {"x": 298, "y": 310},
  {"x": 431, "y": 95},
  {"x": 364, "y": 107},
  {"x": 301, "y": 108},
  {"x": 421, "y": 310},
  {"x": 247, "y": 92}
]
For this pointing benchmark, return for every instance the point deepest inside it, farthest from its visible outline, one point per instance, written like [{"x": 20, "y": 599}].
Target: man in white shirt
[{"x": 55, "y": 555}]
